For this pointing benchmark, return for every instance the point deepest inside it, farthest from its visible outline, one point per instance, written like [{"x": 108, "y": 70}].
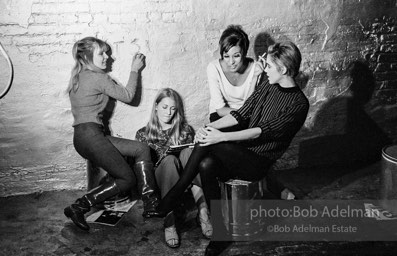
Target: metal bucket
[
  {"x": 238, "y": 197},
  {"x": 389, "y": 178},
  {"x": 95, "y": 177}
]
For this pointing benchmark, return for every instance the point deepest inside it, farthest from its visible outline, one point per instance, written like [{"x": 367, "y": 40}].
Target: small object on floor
[
  {"x": 118, "y": 201},
  {"x": 154, "y": 214},
  {"x": 112, "y": 214},
  {"x": 287, "y": 194},
  {"x": 171, "y": 237}
]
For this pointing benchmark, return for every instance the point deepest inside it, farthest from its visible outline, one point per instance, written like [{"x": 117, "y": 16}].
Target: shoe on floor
[
  {"x": 205, "y": 224},
  {"x": 171, "y": 237}
]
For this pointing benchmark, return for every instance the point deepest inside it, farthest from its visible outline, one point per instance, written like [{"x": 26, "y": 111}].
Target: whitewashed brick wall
[{"x": 179, "y": 38}]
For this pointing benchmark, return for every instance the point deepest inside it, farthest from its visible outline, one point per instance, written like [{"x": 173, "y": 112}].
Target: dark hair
[
  {"x": 286, "y": 54},
  {"x": 234, "y": 35}
]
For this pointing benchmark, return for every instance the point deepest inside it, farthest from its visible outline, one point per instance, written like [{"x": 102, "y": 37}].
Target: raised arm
[{"x": 119, "y": 92}]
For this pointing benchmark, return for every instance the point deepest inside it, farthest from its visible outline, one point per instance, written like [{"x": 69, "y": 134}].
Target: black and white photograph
[{"x": 198, "y": 127}]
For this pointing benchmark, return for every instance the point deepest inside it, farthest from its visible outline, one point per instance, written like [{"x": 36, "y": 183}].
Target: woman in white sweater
[{"x": 233, "y": 77}]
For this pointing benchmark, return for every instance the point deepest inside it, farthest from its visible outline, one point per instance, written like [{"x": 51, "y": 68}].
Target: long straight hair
[
  {"x": 179, "y": 128},
  {"x": 83, "y": 52}
]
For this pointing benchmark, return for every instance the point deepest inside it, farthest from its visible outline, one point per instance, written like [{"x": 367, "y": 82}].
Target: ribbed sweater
[
  {"x": 90, "y": 99},
  {"x": 279, "y": 112}
]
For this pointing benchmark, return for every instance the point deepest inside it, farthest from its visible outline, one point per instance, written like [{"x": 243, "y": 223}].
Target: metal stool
[
  {"x": 237, "y": 198},
  {"x": 389, "y": 178}
]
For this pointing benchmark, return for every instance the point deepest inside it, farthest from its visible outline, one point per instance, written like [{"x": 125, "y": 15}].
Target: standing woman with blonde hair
[
  {"x": 89, "y": 91},
  {"x": 167, "y": 127}
]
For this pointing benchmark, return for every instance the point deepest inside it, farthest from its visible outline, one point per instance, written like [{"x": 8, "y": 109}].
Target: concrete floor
[{"x": 35, "y": 225}]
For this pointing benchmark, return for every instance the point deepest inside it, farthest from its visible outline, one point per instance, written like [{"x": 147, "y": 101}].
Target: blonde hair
[
  {"x": 83, "y": 52},
  {"x": 287, "y": 54},
  {"x": 179, "y": 127}
]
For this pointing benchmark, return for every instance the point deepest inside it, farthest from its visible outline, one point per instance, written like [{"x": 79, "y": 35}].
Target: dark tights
[{"x": 220, "y": 161}]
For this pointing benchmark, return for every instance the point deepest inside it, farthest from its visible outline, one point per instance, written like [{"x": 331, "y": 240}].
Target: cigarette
[{"x": 262, "y": 56}]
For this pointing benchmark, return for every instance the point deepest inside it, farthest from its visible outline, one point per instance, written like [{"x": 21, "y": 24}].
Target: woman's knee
[
  {"x": 184, "y": 155},
  {"x": 167, "y": 173},
  {"x": 168, "y": 167},
  {"x": 208, "y": 166},
  {"x": 142, "y": 152},
  {"x": 170, "y": 160}
]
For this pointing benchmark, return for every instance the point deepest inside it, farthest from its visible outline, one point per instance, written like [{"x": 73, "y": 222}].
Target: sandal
[
  {"x": 171, "y": 237},
  {"x": 205, "y": 224}
]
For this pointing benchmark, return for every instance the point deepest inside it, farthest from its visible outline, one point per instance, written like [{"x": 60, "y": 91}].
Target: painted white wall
[{"x": 179, "y": 39}]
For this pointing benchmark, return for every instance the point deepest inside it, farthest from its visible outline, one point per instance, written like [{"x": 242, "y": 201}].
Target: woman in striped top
[{"x": 272, "y": 116}]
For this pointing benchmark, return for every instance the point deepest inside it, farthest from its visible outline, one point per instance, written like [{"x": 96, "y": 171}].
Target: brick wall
[{"x": 341, "y": 42}]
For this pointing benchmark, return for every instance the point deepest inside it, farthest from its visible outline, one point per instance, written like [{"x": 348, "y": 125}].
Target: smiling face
[
  {"x": 99, "y": 58},
  {"x": 165, "y": 110},
  {"x": 274, "y": 72},
  {"x": 233, "y": 59}
]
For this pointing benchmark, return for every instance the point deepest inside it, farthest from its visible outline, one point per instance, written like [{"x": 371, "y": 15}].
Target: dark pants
[
  {"x": 221, "y": 161},
  {"x": 226, "y": 161},
  {"x": 108, "y": 153}
]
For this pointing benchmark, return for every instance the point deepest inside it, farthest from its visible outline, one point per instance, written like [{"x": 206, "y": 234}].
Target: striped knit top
[{"x": 279, "y": 112}]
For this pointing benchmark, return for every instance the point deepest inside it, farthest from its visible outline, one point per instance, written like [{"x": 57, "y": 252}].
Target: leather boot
[
  {"x": 83, "y": 205},
  {"x": 147, "y": 187}
]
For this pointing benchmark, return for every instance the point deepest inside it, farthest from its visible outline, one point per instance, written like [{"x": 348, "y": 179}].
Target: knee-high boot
[
  {"x": 83, "y": 205},
  {"x": 147, "y": 187}
]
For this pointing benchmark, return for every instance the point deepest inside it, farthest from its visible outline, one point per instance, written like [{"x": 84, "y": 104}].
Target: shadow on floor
[
  {"x": 35, "y": 225},
  {"x": 316, "y": 182}
]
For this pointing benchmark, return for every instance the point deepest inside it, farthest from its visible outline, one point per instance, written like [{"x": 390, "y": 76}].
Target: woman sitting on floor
[{"x": 168, "y": 127}]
